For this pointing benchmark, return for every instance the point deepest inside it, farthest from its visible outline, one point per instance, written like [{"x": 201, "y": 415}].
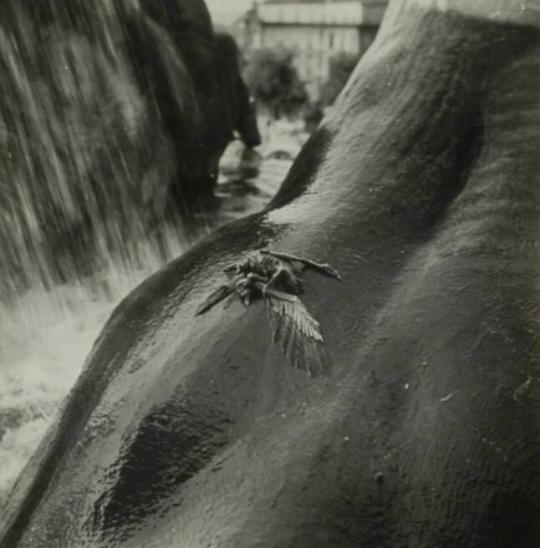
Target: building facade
[{"x": 315, "y": 32}]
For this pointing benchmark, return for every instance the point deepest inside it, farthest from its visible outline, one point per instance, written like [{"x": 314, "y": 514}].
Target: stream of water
[{"x": 45, "y": 334}]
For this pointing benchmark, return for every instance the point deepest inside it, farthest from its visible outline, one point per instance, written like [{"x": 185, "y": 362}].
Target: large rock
[
  {"x": 422, "y": 189},
  {"x": 113, "y": 116}
]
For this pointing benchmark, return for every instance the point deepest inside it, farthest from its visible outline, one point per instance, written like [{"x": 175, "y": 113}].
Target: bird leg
[
  {"x": 256, "y": 278},
  {"x": 274, "y": 293},
  {"x": 273, "y": 280},
  {"x": 232, "y": 269},
  {"x": 322, "y": 268}
]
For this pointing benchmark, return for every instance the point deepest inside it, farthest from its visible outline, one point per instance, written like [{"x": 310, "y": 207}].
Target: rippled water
[{"x": 45, "y": 335}]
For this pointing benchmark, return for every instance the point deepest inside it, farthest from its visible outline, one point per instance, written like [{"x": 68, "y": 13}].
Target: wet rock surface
[
  {"x": 421, "y": 188},
  {"x": 45, "y": 335}
]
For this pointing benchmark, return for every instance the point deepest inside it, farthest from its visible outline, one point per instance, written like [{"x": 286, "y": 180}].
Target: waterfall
[{"x": 112, "y": 117}]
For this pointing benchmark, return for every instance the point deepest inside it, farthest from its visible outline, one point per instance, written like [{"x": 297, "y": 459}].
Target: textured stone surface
[{"x": 422, "y": 189}]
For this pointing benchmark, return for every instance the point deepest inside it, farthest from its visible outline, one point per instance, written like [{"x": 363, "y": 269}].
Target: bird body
[{"x": 276, "y": 278}]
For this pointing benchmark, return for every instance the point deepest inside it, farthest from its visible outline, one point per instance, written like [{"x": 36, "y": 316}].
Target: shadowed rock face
[
  {"x": 422, "y": 189},
  {"x": 113, "y": 115}
]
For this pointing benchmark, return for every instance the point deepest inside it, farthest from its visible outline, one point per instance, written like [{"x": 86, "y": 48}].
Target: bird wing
[
  {"x": 216, "y": 297},
  {"x": 298, "y": 332},
  {"x": 322, "y": 268}
]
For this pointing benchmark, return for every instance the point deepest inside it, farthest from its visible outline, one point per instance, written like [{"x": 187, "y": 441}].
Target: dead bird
[{"x": 276, "y": 278}]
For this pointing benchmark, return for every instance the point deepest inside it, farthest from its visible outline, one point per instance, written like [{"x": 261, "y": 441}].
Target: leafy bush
[
  {"x": 275, "y": 83},
  {"x": 341, "y": 67}
]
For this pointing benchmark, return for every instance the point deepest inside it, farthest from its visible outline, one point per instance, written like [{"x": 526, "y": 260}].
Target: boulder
[{"x": 422, "y": 188}]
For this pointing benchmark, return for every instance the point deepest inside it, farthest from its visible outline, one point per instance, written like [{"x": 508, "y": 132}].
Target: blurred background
[{"x": 129, "y": 129}]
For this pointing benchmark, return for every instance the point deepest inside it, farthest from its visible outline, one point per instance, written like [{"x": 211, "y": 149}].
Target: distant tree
[
  {"x": 312, "y": 114},
  {"x": 341, "y": 67},
  {"x": 275, "y": 83}
]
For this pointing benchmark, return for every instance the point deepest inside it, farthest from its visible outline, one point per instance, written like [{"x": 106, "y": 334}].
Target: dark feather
[
  {"x": 216, "y": 297},
  {"x": 297, "y": 331}
]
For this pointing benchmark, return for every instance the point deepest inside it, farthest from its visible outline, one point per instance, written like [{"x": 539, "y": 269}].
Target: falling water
[
  {"x": 87, "y": 161},
  {"x": 46, "y": 333}
]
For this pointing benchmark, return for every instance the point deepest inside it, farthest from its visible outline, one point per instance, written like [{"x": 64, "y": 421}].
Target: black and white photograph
[{"x": 269, "y": 273}]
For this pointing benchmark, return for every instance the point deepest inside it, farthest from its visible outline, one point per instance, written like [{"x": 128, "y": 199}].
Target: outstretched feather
[
  {"x": 298, "y": 332},
  {"x": 217, "y": 296}
]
